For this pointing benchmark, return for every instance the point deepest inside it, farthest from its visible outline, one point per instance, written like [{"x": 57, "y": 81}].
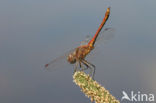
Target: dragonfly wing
[
  {"x": 87, "y": 39},
  {"x": 59, "y": 62},
  {"x": 104, "y": 36}
]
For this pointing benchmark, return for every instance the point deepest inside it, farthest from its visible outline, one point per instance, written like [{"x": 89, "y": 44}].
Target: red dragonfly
[{"x": 77, "y": 56}]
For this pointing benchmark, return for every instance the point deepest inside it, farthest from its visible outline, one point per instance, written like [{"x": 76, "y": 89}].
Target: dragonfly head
[{"x": 71, "y": 58}]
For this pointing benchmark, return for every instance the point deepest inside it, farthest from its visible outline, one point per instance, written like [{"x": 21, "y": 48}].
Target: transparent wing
[
  {"x": 87, "y": 39},
  {"x": 59, "y": 62},
  {"x": 104, "y": 36}
]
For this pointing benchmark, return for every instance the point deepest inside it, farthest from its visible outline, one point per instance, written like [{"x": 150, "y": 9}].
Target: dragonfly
[{"x": 77, "y": 55}]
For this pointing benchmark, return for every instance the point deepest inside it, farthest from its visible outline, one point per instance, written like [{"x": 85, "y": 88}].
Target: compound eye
[
  {"x": 71, "y": 59},
  {"x": 74, "y": 53},
  {"x": 70, "y": 56}
]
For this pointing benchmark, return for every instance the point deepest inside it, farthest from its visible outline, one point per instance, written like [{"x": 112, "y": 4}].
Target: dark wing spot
[{"x": 46, "y": 65}]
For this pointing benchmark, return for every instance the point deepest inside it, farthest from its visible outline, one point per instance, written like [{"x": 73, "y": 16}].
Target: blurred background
[{"x": 33, "y": 32}]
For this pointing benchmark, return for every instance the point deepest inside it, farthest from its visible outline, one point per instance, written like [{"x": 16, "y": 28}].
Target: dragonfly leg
[
  {"x": 76, "y": 66},
  {"x": 86, "y": 67},
  {"x": 82, "y": 66},
  {"x": 90, "y": 66}
]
